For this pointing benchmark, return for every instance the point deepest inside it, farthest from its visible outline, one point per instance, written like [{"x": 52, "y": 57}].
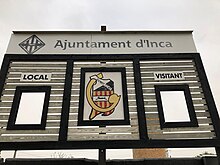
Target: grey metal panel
[
  {"x": 114, "y": 133},
  {"x": 191, "y": 78},
  {"x": 58, "y": 71}
]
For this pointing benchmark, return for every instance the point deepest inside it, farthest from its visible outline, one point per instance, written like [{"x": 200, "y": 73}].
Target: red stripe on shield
[{"x": 102, "y": 93}]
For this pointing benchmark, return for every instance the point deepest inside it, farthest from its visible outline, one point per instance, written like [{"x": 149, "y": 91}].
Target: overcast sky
[{"x": 201, "y": 16}]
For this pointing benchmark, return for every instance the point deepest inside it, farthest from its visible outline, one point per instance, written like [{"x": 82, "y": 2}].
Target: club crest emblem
[{"x": 101, "y": 96}]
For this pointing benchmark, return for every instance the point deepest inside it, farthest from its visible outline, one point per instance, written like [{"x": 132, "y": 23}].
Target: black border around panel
[
  {"x": 208, "y": 95},
  {"x": 66, "y": 102},
  {"x": 140, "y": 101},
  {"x": 113, "y": 144},
  {"x": 110, "y": 144},
  {"x": 15, "y": 106},
  {"x": 82, "y": 122},
  {"x": 3, "y": 72},
  {"x": 191, "y": 111}
]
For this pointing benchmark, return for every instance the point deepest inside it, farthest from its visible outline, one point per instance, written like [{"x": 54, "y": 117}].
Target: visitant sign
[
  {"x": 101, "y": 43},
  {"x": 169, "y": 76}
]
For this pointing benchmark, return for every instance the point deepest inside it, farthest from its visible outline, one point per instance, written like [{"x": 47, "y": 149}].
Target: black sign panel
[{"x": 65, "y": 125}]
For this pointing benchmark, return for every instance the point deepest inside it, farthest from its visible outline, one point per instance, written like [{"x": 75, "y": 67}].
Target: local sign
[{"x": 35, "y": 77}]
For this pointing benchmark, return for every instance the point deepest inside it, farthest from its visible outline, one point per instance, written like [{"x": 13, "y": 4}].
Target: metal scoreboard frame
[{"x": 143, "y": 137}]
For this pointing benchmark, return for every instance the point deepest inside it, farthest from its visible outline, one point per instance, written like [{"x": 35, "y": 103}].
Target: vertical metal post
[
  {"x": 217, "y": 150},
  {"x": 103, "y": 28},
  {"x": 15, "y": 154},
  {"x": 102, "y": 156},
  {"x": 102, "y": 152}
]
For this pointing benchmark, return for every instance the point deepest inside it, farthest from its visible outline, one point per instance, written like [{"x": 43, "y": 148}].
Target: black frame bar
[
  {"x": 192, "y": 115},
  {"x": 144, "y": 142},
  {"x": 66, "y": 102},
  {"x": 15, "y": 106},
  {"x": 125, "y": 121}
]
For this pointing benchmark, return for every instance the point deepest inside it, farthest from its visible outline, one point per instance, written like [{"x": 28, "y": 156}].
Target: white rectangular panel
[
  {"x": 174, "y": 106},
  {"x": 30, "y": 108}
]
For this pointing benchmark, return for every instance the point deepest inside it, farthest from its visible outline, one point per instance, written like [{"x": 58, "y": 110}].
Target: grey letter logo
[{"x": 32, "y": 44}]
